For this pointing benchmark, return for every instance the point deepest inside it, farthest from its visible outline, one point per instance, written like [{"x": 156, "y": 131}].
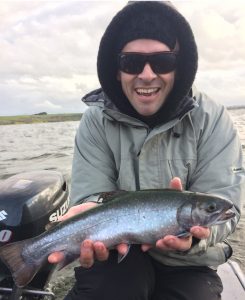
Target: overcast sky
[{"x": 48, "y": 51}]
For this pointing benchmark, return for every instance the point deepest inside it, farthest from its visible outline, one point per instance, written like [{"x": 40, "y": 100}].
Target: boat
[{"x": 233, "y": 280}]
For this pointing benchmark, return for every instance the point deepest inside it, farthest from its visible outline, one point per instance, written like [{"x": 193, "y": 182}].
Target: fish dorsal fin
[
  {"x": 161, "y": 190},
  {"x": 105, "y": 197},
  {"x": 51, "y": 225}
]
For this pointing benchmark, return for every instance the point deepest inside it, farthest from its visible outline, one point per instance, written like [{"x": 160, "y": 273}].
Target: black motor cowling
[{"x": 29, "y": 201}]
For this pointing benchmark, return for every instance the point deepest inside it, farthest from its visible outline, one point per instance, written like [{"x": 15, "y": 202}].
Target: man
[{"x": 146, "y": 128}]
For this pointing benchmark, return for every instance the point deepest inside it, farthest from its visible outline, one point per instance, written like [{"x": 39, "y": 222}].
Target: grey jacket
[{"x": 114, "y": 151}]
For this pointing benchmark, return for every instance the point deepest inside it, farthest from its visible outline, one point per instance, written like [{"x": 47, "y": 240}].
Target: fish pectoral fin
[
  {"x": 69, "y": 258},
  {"x": 183, "y": 234},
  {"x": 22, "y": 271},
  {"x": 121, "y": 257}
]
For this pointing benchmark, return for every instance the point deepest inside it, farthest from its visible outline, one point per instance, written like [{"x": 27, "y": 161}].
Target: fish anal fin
[
  {"x": 69, "y": 257},
  {"x": 22, "y": 271},
  {"x": 121, "y": 257}
]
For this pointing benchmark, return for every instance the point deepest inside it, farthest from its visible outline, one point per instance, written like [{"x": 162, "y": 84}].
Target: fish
[{"x": 131, "y": 217}]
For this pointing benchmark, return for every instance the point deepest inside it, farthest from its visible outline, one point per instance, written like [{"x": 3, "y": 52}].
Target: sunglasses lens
[
  {"x": 131, "y": 63},
  {"x": 161, "y": 63}
]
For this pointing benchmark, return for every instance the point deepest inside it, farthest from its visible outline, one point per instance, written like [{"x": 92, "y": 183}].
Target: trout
[{"x": 138, "y": 217}]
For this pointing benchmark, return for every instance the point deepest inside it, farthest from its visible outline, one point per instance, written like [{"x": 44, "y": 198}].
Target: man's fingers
[
  {"x": 56, "y": 257},
  {"x": 87, "y": 254},
  {"x": 146, "y": 247},
  {"x": 74, "y": 210},
  {"x": 122, "y": 248},
  {"x": 101, "y": 252},
  {"x": 174, "y": 243},
  {"x": 200, "y": 232},
  {"x": 176, "y": 184}
]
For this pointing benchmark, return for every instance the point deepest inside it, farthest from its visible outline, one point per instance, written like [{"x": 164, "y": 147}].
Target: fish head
[
  {"x": 210, "y": 210},
  {"x": 204, "y": 210}
]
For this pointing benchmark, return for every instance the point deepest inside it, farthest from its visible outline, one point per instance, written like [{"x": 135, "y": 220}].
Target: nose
[{"x": 147, "y": 73}]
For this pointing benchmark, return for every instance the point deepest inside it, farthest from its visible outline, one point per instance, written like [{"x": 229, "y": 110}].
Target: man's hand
[
  {"x": 57, "y": 257},
  {"x": 171, "y": 242},
  {"x": 89, "y": 251}
]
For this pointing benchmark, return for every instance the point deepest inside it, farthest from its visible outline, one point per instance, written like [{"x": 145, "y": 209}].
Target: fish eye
[{"x": 211, "y": 207}]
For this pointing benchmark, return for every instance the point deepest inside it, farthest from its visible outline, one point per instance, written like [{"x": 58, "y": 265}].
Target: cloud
[
  {"x": 28, "y": 94},
  {"x": 49, "y": 49},
  {"x": 49, "y": 104},
  {"x": 219, "y": 28}
]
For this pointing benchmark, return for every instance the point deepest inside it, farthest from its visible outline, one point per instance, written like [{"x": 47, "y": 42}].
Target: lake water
[
  {"x": 49, "y": 146},
  {"x": 30, "y": 147}
]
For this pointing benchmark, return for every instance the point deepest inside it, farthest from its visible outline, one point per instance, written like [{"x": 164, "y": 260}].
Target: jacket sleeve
[
  {"x": 219, "y": 167},
  {"x": 93, "y": 167}
]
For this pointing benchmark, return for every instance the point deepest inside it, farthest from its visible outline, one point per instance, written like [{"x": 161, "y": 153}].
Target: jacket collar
[{"x": 98, "y": 98}]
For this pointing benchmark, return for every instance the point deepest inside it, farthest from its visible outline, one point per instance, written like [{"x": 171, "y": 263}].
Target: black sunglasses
[{"x": 134, "y": 62}]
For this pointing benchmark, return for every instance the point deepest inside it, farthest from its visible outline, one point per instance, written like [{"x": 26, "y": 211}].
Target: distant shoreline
[
  {"x": 235, "y": 107},
  {"x": 46, "y": 118},
  {"x": 39, "y": 118}
]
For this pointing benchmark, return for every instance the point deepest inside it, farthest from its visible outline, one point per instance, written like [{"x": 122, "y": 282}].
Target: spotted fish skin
[{"x": 140, "y": 217}]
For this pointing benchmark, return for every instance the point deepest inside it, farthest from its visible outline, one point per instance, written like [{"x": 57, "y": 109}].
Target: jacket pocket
[{"x": 182, "y": 168}]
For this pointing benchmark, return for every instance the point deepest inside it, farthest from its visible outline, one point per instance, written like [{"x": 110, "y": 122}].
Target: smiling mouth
[{"x": 147, "y": 91}]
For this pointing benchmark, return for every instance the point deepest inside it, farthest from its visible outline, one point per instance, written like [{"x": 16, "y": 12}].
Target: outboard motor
[{"x": 28, "y": 202}]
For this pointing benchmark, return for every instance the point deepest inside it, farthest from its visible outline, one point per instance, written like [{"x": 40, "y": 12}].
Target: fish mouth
[{"x": 228, "y": 214}]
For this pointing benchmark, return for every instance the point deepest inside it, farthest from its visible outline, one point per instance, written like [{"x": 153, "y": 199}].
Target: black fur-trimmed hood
[{"x": 115, "y": 38}]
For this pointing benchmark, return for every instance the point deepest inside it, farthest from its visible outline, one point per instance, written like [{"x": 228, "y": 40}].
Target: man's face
[{"x": 146, "y": 91}]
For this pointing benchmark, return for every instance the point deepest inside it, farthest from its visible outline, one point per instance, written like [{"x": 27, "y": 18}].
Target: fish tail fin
[{"x": 22, "y": 271}]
